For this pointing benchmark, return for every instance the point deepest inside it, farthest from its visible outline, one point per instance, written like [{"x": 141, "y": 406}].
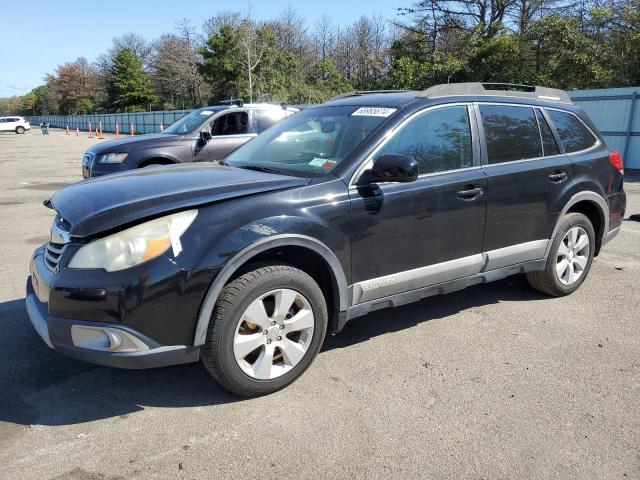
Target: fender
[
  {"x": 593, "y": 197},
  {"x": 255, "y": 248}
]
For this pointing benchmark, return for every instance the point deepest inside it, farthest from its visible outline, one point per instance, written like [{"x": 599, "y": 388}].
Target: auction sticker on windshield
[{"x": 373, "y": 112}]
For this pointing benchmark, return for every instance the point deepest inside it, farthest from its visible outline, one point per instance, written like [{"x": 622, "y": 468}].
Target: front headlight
[
  {"x": 111, "y": 157},
  {"x": 136, "y": 244}
]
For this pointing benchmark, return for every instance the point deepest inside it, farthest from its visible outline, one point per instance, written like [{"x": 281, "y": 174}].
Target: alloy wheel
[
  {"x": 273, "y": 334},
  {"x": 572, "y": 256}
]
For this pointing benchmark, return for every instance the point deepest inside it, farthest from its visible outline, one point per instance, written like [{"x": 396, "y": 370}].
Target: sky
[{"x": 38, "y": 35}]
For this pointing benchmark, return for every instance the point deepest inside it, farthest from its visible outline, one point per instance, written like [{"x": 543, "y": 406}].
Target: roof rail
[
  {"x": 233, "y": 101},
  {"x": 365, "y": 92},
  {"x": 496, "y": 90}
]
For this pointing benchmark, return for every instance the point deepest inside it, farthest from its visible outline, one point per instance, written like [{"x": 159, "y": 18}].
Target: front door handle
[
  {"x": 558, "y": 176},
  {"x": 469, "y": 193}
]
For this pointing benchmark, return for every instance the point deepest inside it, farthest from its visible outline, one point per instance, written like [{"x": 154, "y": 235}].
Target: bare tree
[
  {"x": 291, "y": 34},
  {"x": 214, "y": 24},
  {"x": 174, "y": 65},
  {"x": 253, "y": 45},
  {"x": 324, "y": 37}
]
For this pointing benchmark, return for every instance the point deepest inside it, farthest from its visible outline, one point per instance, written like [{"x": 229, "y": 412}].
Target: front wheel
[
  {"x": 267, "y": 327},
  {"x": 20, "y": 130},
  {"x": 570, "y": 257}
]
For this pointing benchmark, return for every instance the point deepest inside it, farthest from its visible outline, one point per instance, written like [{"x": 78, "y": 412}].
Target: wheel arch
[
  {"x": 594, "y": 207},
  {"x": 259, "y": 251},
  {"x": 156, "y": 160}
]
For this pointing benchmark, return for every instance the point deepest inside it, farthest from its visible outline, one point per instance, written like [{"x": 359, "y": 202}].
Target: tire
[
  {"x": 556, "y": 279},
  {"x": 20, "y": 130},
  {"x": 227, "y": 353}
]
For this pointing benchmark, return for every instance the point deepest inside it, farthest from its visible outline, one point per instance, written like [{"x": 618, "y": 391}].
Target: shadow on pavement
[{"x": 41, "y": 387}]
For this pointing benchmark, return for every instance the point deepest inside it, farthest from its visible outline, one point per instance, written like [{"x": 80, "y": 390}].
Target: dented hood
[{"x": 111, "y": 201}]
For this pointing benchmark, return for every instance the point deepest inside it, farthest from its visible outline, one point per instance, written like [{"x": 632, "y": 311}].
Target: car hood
[
  {"x": 108, "y": 202},
  {"x": 126, "y": 144}
]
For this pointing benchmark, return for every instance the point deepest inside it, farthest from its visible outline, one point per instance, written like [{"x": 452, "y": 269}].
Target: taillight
[{"x": 615, "y": 159}]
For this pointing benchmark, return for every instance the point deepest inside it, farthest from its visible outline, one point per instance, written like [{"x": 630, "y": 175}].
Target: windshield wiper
[{"x": 260, "y": 168}]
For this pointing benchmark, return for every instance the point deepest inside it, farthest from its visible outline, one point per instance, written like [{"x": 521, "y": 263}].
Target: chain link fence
[{"x": 143, "y": 122}]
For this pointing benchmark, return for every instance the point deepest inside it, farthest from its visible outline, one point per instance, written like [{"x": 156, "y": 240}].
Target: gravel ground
[{"x": 493, "y": 382}]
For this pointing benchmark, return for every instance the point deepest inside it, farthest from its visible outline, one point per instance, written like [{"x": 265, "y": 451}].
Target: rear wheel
[
  {"x": 267, "y": 327},
  {"x": 20, "y": 130},
  {"x": 570, "y": 257}
]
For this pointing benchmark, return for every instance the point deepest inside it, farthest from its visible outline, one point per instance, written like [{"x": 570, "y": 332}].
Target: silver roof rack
[
  {"x": 365, "y": 92},
  {"x": 496, "y": 90}
]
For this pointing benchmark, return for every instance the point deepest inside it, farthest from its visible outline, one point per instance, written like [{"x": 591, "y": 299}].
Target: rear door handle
[
  {"x": 469, "y": 193},
  {"x": 558, "y": 176}
]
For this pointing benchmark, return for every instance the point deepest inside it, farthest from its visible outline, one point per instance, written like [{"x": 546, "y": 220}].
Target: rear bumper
[{"x": 56, "y": 332}]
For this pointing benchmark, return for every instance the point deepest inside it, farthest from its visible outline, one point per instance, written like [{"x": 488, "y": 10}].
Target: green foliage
[
  {"x": 220, "y": 66},
  {"x": 278, "y": 76},
  {"x": 129, "y": 87}
]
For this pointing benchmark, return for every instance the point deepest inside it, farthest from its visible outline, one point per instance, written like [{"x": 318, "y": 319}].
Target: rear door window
[
  {"x": 549, "y": 144},
  {"x": 268, "y": 118},
  {"x": 573, "y": 133},
  {"x": 511, "y": 133}
]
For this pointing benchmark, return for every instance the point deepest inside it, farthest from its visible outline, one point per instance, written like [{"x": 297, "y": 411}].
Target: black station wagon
[{"x": 369, "y": 201}]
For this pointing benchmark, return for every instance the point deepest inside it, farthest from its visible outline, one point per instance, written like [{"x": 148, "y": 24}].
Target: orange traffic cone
[
  {"x": 161, "y": 127},
  {"x": 77, "y": 131},
  {"x": 132, "y": 130},
  {"x": 117, "y": 130},
  {"x": 100, "y": 130},
  {"x": 90, "y": 134},
  {"x": 67, "y": 130}
]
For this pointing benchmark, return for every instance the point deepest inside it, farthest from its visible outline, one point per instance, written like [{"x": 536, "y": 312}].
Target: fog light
[{"x": 106, "y": 339}]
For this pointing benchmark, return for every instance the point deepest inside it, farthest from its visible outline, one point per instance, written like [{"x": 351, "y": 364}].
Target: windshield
[
  {"x": 188, "y": 123},
  {"x": 310, "y": 143}
]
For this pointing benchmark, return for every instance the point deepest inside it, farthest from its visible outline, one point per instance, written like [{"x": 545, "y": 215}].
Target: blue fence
[
  {"x": 143, "y": 122},
  {"x": 616, "y": 113}
]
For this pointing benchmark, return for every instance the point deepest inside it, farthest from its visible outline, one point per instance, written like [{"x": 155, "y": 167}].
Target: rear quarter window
[{"x": 573, "y": 133}]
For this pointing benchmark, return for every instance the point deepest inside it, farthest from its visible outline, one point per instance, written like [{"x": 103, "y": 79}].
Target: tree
[
  {"x": 220, "y": 66},
  {"x": 174, "y": 67},
  {"x": 75, "y": 87},
  {"x": 253, "y": 43},
  {"x": 129, "y": 87}
]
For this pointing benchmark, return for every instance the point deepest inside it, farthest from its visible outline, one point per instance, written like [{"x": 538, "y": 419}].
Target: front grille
[
  {"x": 59, "y": 239},
  {"x": 52, "y": 253}
]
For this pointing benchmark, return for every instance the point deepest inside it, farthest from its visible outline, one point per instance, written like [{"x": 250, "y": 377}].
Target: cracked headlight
[
  {"x": 111, "y": 157},
  {"x": 136, "y": 244}
]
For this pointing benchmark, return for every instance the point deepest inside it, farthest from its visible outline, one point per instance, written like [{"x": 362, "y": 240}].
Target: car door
[
  {"x": 229, "y": 130},
  {"x": 528, "y": 176},
  {"x": 3, "y": 124},
  {"x": 406, "y": 236}
]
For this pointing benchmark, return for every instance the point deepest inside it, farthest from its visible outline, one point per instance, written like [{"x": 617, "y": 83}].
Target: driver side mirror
[
  {"x": 205, "y": 136},
  {"x": 393, "y": 168}
]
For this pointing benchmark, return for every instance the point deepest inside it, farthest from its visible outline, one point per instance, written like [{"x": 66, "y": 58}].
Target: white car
[{"x": 14, "y": 124}]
